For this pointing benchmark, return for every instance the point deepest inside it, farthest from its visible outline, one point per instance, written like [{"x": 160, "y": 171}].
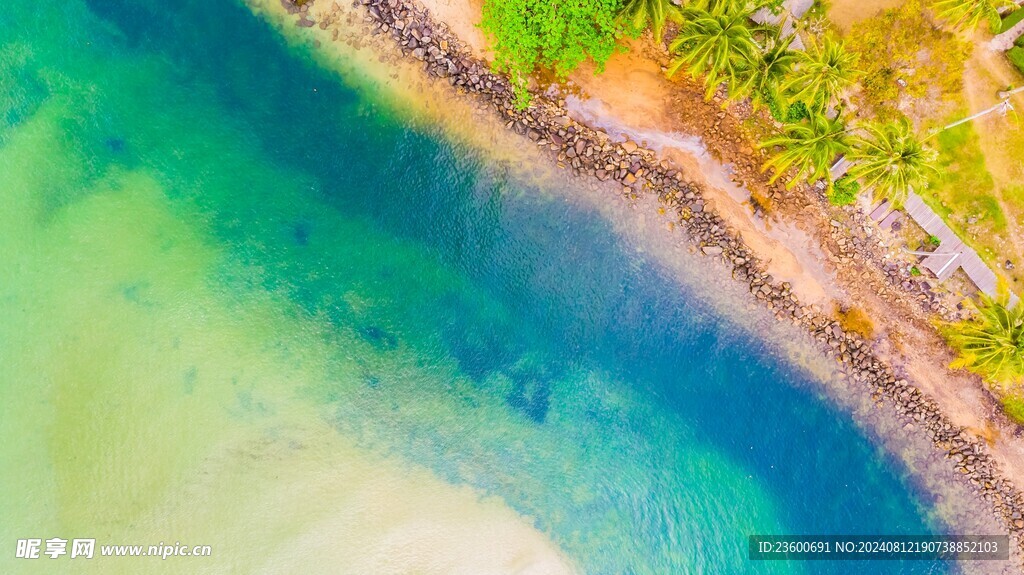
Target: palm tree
[
  {"x": 637, "y": 13},
  {"x": 809, "y": 147},
  {"x": 769, "y": 69},
  {"x": 716, "y": 41},
  {"x": 891, "y": 159},
  {"x": 992, "y": 344},
  {"x": 1006, "y": 39},
  {"x": 821, "y": 73},
  {"x": 968, "y": 14}
]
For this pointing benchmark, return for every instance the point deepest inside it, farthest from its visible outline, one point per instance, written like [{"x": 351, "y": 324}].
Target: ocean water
[{"x": 247, "y": 303}]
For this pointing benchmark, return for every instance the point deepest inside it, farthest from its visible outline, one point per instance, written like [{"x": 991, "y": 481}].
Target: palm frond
[
  {"x": 821, "y": 73},
  {"x": 992, "y": 343},
  {"x": 968, "y": 14},
  {"x": 809, "y": 148},
  {"x": 716, "y": 42},
  {"x": 891, "y": 160},
  {"x": 639, "y": 14}
]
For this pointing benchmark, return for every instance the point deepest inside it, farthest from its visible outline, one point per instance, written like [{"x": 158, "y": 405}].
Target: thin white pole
[{"x": 1004, "y": 106}]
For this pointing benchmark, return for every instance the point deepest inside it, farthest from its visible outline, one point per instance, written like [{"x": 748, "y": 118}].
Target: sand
[{"x": 846, "y": 13}]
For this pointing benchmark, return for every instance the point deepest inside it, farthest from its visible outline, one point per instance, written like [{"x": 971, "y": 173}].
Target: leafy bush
[
  {"x": 1016, "y": 56},
  {"x": 774, "y": 106},
  {"x": 527, "y": 35},
  {"x": 844, "y": 191},
  {"x": 796, "y": 112},
  {"x": 934, "y": 240},
  {"x": 915, "y": 271}
]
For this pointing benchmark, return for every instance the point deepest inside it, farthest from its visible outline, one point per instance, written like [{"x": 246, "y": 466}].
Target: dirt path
[{"x": 846, "y": 13}]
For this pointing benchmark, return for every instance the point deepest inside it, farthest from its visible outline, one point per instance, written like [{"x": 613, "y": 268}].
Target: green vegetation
[
  {"x": 1016, "y": 56},
  {"x": 992, "y": 343},
  {"x": 968, "y": 14},
  {"x": 963, "y": 183},
  {"x": 844, "y": 191},
  {"x": 891, "y": 159},
  {"x": 558, "y": 36},
  {"x": 716, "y": 42},
  {"x": 768, "y": 69},
  {"x": 1011, "y": 20},
  {"x": 637, "y": 15},
  {"x": 1013, "y": 405},
  {"x": 796, "y": 112},
  {"x": 934, "y": 240},
  {"x": 809, "y": 147},
  {"x": 822, "y": 72},
  {"x": 719, "y": 44},
  {"x": 901, "y": 46},
  {"x": 915, "y": 271}
]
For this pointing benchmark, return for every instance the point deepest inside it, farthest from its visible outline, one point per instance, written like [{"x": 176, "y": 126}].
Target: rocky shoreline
[{"x": 591, "y": 153}]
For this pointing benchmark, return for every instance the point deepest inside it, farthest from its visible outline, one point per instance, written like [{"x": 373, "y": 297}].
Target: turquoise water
[{"x": 248, "y": 305}]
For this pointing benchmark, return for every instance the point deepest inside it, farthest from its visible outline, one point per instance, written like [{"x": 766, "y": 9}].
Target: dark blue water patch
[
  {"x": 116, "y": 145},
  {"x": 301, "y": 232},
  {"x": 531, "y": 391},
  {"x": 380, "y": 338},
  {"x": 481, "y": 348}
]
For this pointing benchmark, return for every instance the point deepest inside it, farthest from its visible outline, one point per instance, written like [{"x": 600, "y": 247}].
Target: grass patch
[
  {"x": 963, "y": 185},
  {"x": 1016, "y": 55},
  {"x": 1014, "y": 195},
  {"x": 1013, "y": 405},
  {"x": 1011, "y": 20},
  {"x": 855, "y": 320}
]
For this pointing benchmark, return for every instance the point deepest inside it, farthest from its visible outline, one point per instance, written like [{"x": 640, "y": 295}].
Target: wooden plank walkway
[
  {"x": 951, "y": 254},
  {"x": 839, "y": 168},
  {"x": 792, "y": 11}
]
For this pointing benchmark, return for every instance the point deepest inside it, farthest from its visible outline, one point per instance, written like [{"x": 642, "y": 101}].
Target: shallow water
[{"x": 247, "y": 305}]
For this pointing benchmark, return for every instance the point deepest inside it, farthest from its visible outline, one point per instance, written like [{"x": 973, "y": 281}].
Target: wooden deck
[
  {"x": 951, "y": 252},
  {"x": 791, "y": 12},
  {"x": 839, "y": 168}
]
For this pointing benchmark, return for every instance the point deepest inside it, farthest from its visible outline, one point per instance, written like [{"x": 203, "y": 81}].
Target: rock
[
  {"x": 629, "y": 146},
  {"x": 712, "y": 250}
]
